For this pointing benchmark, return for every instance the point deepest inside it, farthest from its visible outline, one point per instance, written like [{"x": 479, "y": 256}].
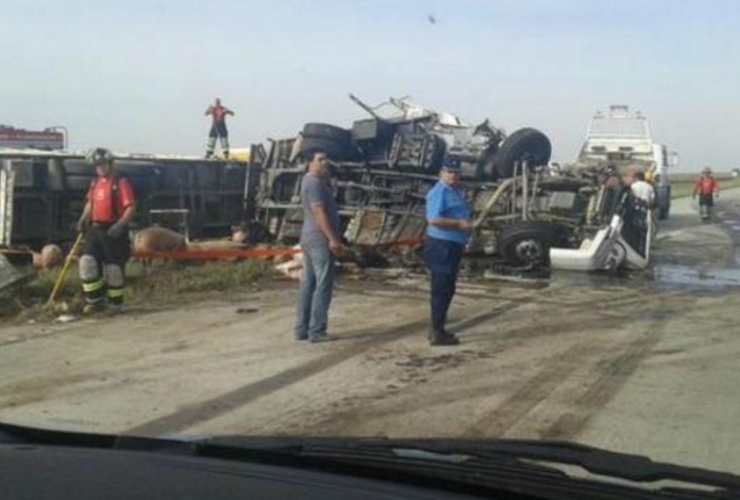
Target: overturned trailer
[{"x": 42, "y": 194}]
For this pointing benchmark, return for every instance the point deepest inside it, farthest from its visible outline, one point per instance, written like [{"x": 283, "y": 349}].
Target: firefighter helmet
[{"x": 99, "y": 156}]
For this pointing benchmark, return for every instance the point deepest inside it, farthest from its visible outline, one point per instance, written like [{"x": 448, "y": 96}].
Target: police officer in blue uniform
[{"x": 449, "y": 225}]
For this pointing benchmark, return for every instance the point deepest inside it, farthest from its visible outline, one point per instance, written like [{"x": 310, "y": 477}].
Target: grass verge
[{"x": 159, "y": 283}]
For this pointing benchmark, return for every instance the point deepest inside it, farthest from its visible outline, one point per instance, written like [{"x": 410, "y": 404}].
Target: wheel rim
[{"x": 528, "y": 251}]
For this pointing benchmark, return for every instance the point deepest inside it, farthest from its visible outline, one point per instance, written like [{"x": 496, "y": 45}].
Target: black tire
[
  {"x": 325, "y": 131},
  {"x": 524, "y": 144},
  {"x": 527, "y": 243},
  {"x": 334, "y": 150},
  {"x": 334, "y": 140}
]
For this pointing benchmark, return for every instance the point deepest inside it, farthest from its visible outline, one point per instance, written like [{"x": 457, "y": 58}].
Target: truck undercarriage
[{"x": 383, "y": 167}]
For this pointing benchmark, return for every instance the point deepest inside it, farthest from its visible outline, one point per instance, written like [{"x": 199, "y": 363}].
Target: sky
[{"x": 138, "y": 75}]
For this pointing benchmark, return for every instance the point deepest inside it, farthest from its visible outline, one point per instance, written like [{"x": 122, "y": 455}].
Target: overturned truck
[
  {"x": 383, "y": 167},
  {"x": 42, "y": 194}
]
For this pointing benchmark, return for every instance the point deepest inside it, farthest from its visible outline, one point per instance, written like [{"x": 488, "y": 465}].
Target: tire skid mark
[
  {"x": 614, "y": 370},
  {"x": 532, "y": 393},
  {"x": 509, "y": 340},
  {"x": 361, "y": 410},
  {"x": 232, "y": 400},
  {"x": 614, "y": 373}
]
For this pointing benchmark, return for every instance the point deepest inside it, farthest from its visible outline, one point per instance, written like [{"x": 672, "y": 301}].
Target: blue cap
[{"x": 452, "y": 164}]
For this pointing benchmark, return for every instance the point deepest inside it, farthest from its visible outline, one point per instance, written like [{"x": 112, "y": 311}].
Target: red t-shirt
[
  {"x": 219, "y": 113},
  {"x": 706, "y": 185},
  {"x": 101, "y": 197}
]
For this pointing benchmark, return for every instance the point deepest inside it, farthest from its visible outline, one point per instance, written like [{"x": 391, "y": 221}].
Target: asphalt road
[{"x": 643, "y": 363}]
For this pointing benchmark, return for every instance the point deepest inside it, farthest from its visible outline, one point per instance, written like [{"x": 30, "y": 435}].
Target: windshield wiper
[{"x": 544, "y": 458}]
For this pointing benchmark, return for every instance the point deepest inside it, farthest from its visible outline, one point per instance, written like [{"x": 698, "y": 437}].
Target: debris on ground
[
  {"x": 67, "y": 318},
  {"x": 293, "y": 268},
  {"x": 248, "y": 309}
]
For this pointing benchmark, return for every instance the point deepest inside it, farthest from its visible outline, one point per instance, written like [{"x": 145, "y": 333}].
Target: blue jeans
[{"x": 314, "y": 293}]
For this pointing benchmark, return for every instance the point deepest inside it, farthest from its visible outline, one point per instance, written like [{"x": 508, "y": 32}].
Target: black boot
[{"x": 438, "y": 337}]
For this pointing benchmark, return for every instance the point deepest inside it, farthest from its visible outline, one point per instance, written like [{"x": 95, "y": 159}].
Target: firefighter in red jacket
[
  {"x": 707, "y": 188},
  {"x": 218, "y": 128},
  {"x": 109, "y": 209}
]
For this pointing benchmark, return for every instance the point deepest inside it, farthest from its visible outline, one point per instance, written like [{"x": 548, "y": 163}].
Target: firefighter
[
  {"x": 707, "y": 188},
  {"x": 218, "y": 128},
  {"x": 109, "y": 208}
]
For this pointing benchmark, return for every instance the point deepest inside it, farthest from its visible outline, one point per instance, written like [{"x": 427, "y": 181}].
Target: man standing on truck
[
  {"x": 320, "y": 245},
  {"x": 218, "y": 128},
  {"x": 448, "y": 229},
  {"x": 707, "y": 188},
  {"x": 109, "y": 208}
]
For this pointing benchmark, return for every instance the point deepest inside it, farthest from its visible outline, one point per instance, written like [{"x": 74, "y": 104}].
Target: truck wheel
[
  {"x": 334, "y": 140},
  {"x": 527, "y": 243},
  {"x": 524, "y": 144},
  {"x": 326, "y": 131}
]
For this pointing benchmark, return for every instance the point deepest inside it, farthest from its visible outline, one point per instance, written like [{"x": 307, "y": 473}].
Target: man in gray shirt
[{"x": 320, "y": 244}]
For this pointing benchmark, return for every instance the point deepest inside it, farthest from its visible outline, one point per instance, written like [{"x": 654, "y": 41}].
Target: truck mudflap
[
  {"x": 608, "y": 250},
  {"x": 9, "y": 275}
]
